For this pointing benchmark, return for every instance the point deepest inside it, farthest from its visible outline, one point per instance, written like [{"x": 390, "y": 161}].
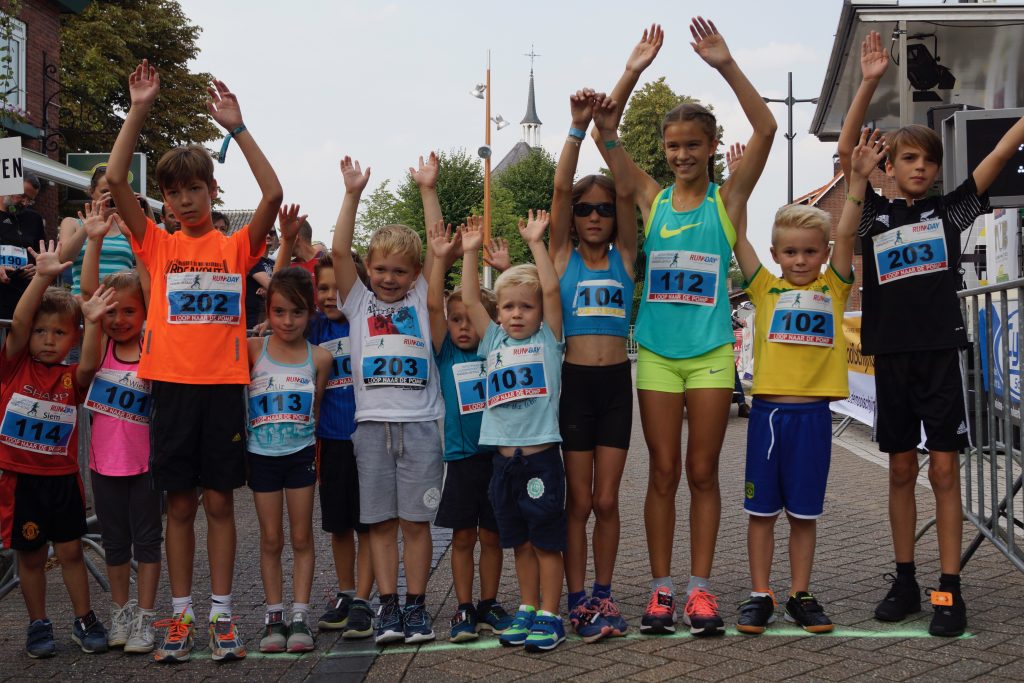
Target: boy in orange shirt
[{"x": 194, "y": 351}]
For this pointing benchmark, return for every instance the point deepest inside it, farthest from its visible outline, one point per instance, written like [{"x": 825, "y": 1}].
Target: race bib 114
[
  {"x": 910, "y": 250},
  {"x": 687, "y": 277},
  {"x": 38, "y": 426}
]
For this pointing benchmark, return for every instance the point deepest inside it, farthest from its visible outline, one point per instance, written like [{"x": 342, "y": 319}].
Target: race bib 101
[
  {"x": 515, "y": 373},
  {"x": 120, "y": 394},
  {"x": 38, "y": 426},
  {"x": 280, "y": 398},
  {"x": 688, "y": 277},
  {"x": 471, "y": 386},
  {"x": 910, "y": 250},
  {"x": 599, "y": 298},
  {"x": 395, "y": 360},
  {"x": 202, "y": 298},
  {"x": 341, "y": 367},
  {"x": 803, "y": 317}
]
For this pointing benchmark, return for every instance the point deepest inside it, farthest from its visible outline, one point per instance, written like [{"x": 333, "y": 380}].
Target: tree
[
  {"x": 94, "y": 96},
  {"x": 460, "y": 189},
  {"x": 376, "y": 210},
  {"x": 530, "y": 182}
]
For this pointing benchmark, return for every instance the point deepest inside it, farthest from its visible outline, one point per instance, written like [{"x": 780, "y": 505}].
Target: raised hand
[
  {"x": 143, "y": 85},
  {"x": 532, "y": 229},
  {"x": 496, "y": 254},
  {"x": 874, "y": 60},
  {"x": 355, "y": 178},
  {"x": 101, "y": 303},
  {"x": 646, "y": 50},
  {"x": 289, "y": 221},
  {"x": 425, "y": 174},
  {"x": 441, "y": 240},
  {"x": 868, "y": 153},
  {"x": 472, "y": 234},
  {"x": 581, "y": 108},
  {"x": 709, "y": 43},
  {"x": 605, "y": 114},
  {"x": 48, "y": 259},
  {"x": 223, "y": 106},
  {"x": 94, "y": 222},
  {"x": 733, "y": 156}
]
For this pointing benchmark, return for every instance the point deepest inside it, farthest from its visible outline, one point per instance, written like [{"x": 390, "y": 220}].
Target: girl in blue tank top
[{"x": 683, "y": 326}]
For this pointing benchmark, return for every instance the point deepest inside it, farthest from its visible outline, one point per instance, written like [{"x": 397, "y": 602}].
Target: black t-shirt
[
  {"x": 21, "y": 229},
  {"x": 913, "y": 304},
  {"x": 255, "y": 304}
]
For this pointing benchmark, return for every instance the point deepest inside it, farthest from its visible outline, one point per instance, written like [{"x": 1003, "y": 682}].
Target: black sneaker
[
  {"x": 902, "y": 599},
  {"x": 803, "y": 610},
  {"x": 89, "y": 633},
  {"x": 360, "y": 621},
  {"x": 950, "y": 618},
  {"x": 390, "y": 626},
  {"x": 336, "y": 617},
  {"x": 756, "y": 612}
]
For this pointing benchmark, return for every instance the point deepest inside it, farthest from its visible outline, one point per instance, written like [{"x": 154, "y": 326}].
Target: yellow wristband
[{"x": 851, "y": 198}]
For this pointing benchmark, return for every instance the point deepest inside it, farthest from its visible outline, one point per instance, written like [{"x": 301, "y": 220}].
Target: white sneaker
[
  {"x": 120, "y": 623},
  {"x": 141, "y": 636}
]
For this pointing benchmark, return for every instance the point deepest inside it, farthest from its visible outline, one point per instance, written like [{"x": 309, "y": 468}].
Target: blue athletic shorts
[
  {"x": 789, "y": 448},
  {"x": 528, "y": 495}
]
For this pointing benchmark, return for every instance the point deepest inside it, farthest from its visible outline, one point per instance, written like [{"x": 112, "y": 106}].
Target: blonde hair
[
  {"x": 60, "y": 302},
  {"x": 802, "y": 217},
  {"x": 487, "y": 298},
  {"x": 399, "y": 240},
  {"x": 181, "y": 165},
  {"x": 523, "y": 275}
]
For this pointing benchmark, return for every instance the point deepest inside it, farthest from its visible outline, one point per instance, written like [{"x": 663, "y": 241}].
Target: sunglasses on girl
[{"x": 584, "y": 209}]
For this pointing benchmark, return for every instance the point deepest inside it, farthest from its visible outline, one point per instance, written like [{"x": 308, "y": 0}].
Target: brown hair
[
  {"x": 583, "y": 185},
  {"x": 125, "y": 281},
  {"x": 181, "y": 165},
  {"x": 296, "y": 285},
  {"x": 59, "y": 301},
  {"x": 915, "y": 135},
  {"x": 487, "y": 298},
  {"x": 325, "y": 261},
  {"x": 691, "y": 111},
  {"x": 97, "y": 173}
]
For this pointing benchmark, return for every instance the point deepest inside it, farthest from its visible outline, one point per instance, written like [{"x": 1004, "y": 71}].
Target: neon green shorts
[{"x": 711, "y": 370}]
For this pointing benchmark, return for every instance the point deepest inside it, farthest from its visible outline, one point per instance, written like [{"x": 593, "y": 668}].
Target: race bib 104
[
  {"x": 599, "y": 298},
  {"x": 471, "y": 386},
  {"x": 120, "y": 394},
  {"x": 688, "y": 277},
  {"x": 280, "y": 398},
  {"x": 803, "y": 317},
  {"x": 38, "y": 426},
  {"x": 12, "y": 256},
  {"x": 910, "y": 250},
  {"x": 515, "y": 373},
  {"x": 199, "y": 298},
  {"x": 395, "y": 360},
  {"x": 341, "y": 368}
]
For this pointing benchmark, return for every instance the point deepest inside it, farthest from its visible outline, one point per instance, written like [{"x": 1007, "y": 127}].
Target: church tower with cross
[{"x": 531, "y": 122}]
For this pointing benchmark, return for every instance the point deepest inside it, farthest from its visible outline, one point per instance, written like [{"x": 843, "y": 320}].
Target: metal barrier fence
[{"x": 992, "y": 468}]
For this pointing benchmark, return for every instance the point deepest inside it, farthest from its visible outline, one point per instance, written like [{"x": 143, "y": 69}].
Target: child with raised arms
[
  {"x": 195, "y": 352},
  {"x": 527, "y": 489},
  {"x": 288, "y": 375},
  {"x": 41, "y": 496},
  {"x": 397, "y": 442},
  {"x": 120, "y": 405},
  {"x": 799, "y": 367},
  {"x": 914, "y": 328},
  {"x": 684, "y": 328}
]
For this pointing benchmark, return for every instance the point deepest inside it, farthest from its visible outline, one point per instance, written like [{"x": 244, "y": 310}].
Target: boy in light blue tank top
[{"x": 683, "y": 326}]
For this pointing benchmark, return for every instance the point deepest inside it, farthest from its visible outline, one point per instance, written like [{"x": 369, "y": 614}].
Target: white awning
[{"x": 61, "y": 174}]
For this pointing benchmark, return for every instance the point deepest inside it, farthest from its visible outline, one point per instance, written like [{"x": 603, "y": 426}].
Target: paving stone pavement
[{"x": 853, "y": 553}]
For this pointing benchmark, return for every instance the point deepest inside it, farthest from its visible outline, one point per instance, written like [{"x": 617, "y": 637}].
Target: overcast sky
[{"x": 387, "y": 81}]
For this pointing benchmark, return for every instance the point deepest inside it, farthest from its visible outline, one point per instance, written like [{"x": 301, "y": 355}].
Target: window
[{"x": 12, "y": 64}]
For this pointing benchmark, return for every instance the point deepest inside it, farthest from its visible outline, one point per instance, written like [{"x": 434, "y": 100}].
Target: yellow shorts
[{"x": 714, "y": 369}]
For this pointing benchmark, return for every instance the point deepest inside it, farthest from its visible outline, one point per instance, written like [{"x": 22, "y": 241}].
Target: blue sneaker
[
  {"x": 610, "y": 611},
  {"x": 519, "y": 629},
  {"x": 390, "y": 627},
  {"x": 89, "y": 633},
  {"x": 588, "y": 623},
  {"x": 547, "y": 633},
  {"x": 495, "y": 619},
  {"x": 40, "y": 643},
  {"x": 464, "y": 626},
  {"x": 418, "y": 627}
]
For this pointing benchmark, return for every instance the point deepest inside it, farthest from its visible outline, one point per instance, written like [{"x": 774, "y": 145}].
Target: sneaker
[
  {"x": 120, "y": 623},
  {"x": 803, "y": 610},
  {"x": 610, "y": 611},
  {"x": 743, "y": 411},
  {"x": 336, "y": 617},
  {"x": 587, "y": 622},
  {"x": 756, "y": 612},
  {"x": 360, "y": 620},
  {"x": 40, "y": 643},
  {"x": 418, "y": 627},
  {"x": 902, "y": 599},
  {"x": 141, "y": 637},
  {"x": 89, "y": 633},
  {"x": 300, "y": 638},
  {"x": 660, "y": 615},
  {"x": 275, "y": 633},
  {"x": 390, "y": 627},
  {"x": 495, "y": 619},
  {"x": 225, "y": 641},
  {"x": 519, "y": 629},
  {"x": 547, "y": 633},
  {"x": 177, "y": 643},
  {"x": 950, "y": 618},
  {"x": 464, "y": 626},
  {"x": 701, "y": 614}
]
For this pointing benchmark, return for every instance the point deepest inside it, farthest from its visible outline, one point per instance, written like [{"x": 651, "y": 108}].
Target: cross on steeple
[
  {"x": 531, "y": 122},
  {"x": 532, "y": 55}
]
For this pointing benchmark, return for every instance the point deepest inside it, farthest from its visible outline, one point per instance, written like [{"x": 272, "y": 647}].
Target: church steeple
[{"x": 531, "y": 122}]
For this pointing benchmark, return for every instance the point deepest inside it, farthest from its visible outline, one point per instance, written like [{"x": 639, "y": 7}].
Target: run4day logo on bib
[{"x": 910, "y": 250}]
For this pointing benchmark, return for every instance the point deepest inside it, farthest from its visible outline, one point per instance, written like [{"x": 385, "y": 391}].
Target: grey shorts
[{"x": 400, "y": 470}]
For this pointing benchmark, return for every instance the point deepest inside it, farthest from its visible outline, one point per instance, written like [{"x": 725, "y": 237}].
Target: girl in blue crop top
[{"x": 683, "y": 324}]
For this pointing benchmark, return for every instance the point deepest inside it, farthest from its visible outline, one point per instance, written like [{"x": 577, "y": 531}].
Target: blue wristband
[
  {"x": 227, "y": 141},
  {"x": 577, "y": 133}
]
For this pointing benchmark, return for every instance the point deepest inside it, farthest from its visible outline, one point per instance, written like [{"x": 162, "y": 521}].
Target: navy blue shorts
[
  {"x": 528, "y": 496},
  {"x": 339, "y": 487},
  {"x": 789, "y": 448},
  {"x": 269, "y": 473},
  {"x": 465, "y": 501}
]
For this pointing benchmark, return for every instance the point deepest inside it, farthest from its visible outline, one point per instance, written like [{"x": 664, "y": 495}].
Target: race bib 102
[
  {"x": 803, "y": 317},
  {"x": 280, "y": 398},
  {"x": 515, "y": 373},
  {"x": 200, "y": 298},
  {"x": 120, "y": 394},
  {"x": 341, "y": 367},
  {"x": 687, "y": 277},
  {"x": 910, "y": 250},
  {"x": 38, "y": 426}
]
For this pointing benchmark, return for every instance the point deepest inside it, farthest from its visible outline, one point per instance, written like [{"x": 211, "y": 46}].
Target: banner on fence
[{"x": 861, "y": 370}]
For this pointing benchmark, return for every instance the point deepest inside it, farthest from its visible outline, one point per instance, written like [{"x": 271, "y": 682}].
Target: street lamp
[
  {"x": 789, "y": 102},
  {"x": 482, "y": 91}
]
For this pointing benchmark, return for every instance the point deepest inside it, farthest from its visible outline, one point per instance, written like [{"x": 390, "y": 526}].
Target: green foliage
[
  {"x": 530, "y": 182},
  {"x": 376, "y": 210},
  {"x": 101, "y": 45},
  {"x": 9, "y": 9}
]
